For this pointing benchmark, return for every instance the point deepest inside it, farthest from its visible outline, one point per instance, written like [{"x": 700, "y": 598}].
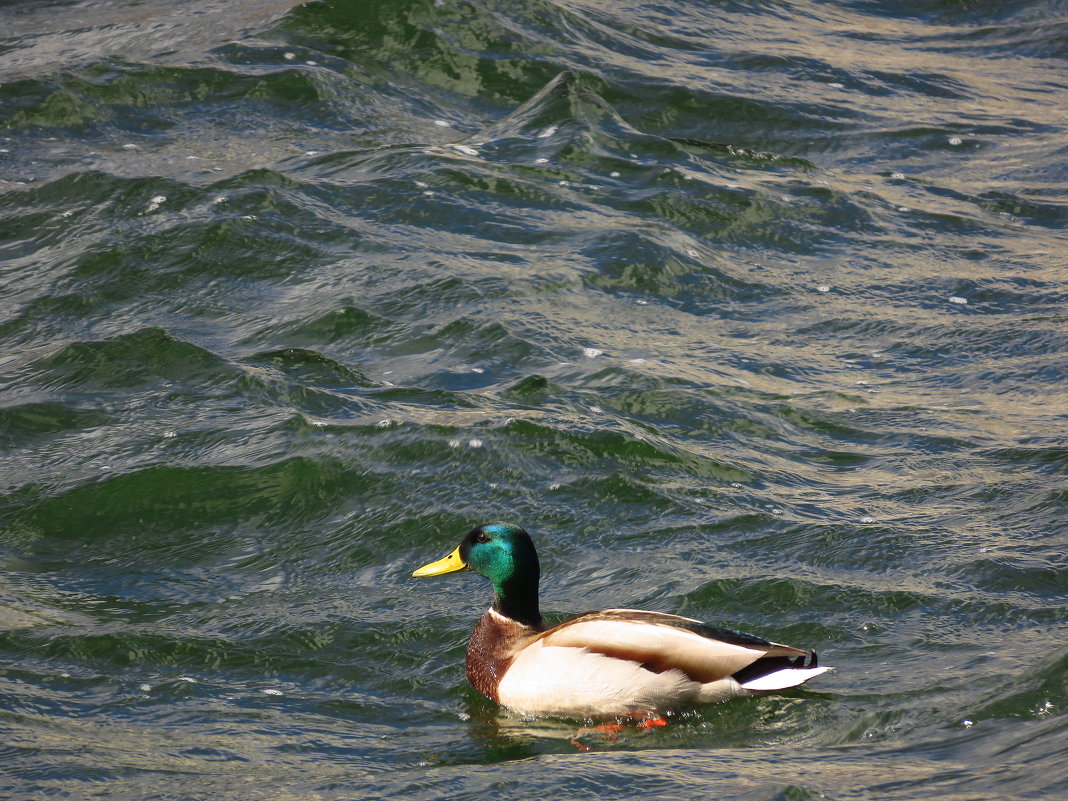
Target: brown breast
[{"x": 494, "y": 644}]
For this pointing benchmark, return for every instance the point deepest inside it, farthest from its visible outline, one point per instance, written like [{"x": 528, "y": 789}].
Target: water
[{"x": 752, "y": 312}]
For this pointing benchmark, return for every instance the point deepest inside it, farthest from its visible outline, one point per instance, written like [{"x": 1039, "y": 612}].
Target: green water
[{"x": 751, "y": 312}]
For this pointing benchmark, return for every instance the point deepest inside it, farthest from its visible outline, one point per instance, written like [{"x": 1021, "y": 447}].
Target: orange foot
[
  {"x": 610, "y": 731},
  {"x": 606, "y": 730}
]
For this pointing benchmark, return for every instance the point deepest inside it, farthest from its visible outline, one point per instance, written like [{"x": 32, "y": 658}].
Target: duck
[{"x": 611, "y": 663}]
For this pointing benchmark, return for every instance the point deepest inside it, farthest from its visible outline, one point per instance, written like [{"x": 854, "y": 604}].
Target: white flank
[
  {"x": 781, "y": 679},
  {"x": 573, "y": 682},
  {"x": 715, "y": 691}
]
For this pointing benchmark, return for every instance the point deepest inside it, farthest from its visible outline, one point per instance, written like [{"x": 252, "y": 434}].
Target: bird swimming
[{"x": 609, "y": 663}]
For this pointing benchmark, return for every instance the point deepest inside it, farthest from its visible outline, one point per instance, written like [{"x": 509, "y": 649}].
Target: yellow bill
[{"x": 450, "y": 564}]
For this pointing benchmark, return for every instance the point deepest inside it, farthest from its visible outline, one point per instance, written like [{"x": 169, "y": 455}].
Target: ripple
[
  {"x": 150, "y": 355},
  {"x": 764, "y": 328},
  {"x": 24, "y": 423}
]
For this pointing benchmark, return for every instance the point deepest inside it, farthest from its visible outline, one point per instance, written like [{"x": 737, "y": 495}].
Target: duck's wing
[{"x": 661, "y": 642}]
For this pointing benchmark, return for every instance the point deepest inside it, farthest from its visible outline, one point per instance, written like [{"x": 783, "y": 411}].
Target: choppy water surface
[{"x": 753, "y": 312}]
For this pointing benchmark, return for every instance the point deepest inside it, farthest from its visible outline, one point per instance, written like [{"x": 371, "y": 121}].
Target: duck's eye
[{"x": 482, "y": 536}]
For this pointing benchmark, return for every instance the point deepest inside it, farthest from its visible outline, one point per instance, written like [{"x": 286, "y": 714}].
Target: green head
[{"x": 504, "y": 554}]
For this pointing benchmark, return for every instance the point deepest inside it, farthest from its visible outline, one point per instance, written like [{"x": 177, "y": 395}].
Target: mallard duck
[{"x": 611, "y": 663}]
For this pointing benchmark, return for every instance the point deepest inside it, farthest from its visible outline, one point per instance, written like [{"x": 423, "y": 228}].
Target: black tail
[{"x": 769, "y": 664}]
